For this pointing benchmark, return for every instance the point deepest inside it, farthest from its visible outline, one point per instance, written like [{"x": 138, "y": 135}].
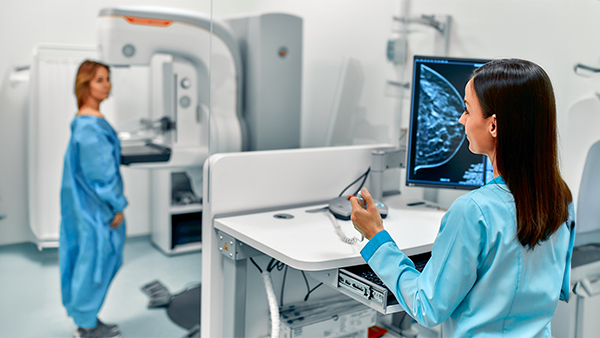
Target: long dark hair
[
  {"x": 85, "y": 74},
  {"x": 520, "y": 94}
]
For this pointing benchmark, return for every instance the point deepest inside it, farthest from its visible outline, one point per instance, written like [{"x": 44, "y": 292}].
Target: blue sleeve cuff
[
  {"x": 379, "y": 239},
  {"x": 119, "y": 204}
]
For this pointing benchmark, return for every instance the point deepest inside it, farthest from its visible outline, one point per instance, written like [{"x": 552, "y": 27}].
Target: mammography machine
[
  {"x": 208, "y": 84},
  {"x": 174, "y": 44}
]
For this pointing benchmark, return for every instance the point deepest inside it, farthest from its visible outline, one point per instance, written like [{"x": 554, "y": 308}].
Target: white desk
[
  {"x": 308, "y": 241},
  {"x": 238, "y": 185}
]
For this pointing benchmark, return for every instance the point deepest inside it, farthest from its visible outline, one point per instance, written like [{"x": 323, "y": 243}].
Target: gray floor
[{"x": 30, "y": 303}]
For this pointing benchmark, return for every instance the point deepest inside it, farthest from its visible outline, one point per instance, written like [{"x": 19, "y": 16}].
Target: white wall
[{"x": 554, "y": 33}]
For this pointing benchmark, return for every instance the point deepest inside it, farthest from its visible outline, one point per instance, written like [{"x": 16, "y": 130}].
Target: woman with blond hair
[{"x": 92, "y": 231}]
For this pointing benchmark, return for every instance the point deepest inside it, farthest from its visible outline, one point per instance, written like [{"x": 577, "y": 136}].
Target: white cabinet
[
  {"x": 176, "y": 215},
  {"x": 579, "y": 317}
]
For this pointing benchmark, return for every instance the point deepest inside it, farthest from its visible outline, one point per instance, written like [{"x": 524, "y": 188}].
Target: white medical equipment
[
  {"x": 579, "y": 318},
  {"x": 178, "y": 47},
  {"x": 245, "y": 70},
  {"x": 251, "y": 108}
]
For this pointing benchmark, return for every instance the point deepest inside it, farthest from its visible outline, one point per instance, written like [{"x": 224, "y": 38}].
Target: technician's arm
[{"x": 432, "y": 296}]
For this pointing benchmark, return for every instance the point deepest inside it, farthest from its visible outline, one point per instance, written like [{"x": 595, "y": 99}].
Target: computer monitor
[{"x": 438, "y": 151}]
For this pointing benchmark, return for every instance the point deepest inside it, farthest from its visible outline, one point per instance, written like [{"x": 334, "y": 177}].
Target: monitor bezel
[{"x": 428, "y": 184}]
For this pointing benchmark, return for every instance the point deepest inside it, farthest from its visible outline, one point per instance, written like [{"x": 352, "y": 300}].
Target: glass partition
[
  {"x": 318, "y": 74},
  {"x": 314, "y": 73},
  {"x": 302, "y": 74}
]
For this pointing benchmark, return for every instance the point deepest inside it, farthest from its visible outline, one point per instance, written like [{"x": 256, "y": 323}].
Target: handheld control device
[
  {"x": 382, "y": 208},
  {"x": 342, "y": 209},
  {"x": 361, "y": 200}
]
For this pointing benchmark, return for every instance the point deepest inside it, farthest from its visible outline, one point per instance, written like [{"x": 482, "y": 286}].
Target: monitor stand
[
  {"x": 381, "y": 160},
  {"x": 431, "y": 195}
]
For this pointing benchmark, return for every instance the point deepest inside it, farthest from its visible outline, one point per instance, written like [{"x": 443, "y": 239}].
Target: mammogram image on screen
[{"x": 439, "y": 135}]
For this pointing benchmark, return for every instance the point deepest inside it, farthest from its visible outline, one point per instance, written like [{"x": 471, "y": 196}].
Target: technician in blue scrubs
[
  {"x": 501, "y": 260},
  {"x": 92, "y": 232}
]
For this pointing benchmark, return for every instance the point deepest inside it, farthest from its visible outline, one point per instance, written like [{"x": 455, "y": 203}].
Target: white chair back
[{"x": 588, "y": 204}]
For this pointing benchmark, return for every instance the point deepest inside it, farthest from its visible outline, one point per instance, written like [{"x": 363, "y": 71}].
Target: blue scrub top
[{"x": 480, "y": 280}]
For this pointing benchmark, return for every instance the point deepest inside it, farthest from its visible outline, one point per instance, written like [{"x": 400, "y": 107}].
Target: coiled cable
[
  {"x": 340, "y": 233},
  {"x": 273, "y": 308},
  {"x": 271, "y": 299}
]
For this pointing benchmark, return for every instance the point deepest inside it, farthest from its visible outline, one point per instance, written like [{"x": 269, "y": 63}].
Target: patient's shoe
[
  {"x": 100, "y": 331},
  {"x": 110, "y": 327}
]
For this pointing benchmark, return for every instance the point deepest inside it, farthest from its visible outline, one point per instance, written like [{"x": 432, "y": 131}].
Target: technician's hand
[
  {"x": 366, "y": 221},
  {"x": 117, "y": 220}
]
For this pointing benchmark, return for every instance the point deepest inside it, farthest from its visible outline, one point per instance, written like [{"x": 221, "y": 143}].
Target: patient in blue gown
[{"x": 92, "y": 231}]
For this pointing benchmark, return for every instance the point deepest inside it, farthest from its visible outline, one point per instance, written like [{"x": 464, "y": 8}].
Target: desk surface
[{"x": 309, "y": 242}]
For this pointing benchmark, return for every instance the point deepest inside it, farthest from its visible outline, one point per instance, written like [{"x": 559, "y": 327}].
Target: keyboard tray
[{"x": 361, "y": 283}]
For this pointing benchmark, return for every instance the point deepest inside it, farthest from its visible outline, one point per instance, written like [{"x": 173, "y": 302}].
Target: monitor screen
[{"x": 438, "y": 150}]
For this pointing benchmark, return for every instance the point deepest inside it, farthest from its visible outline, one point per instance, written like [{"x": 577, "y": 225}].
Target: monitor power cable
[
  {"x": 280, "y": 266},
  {"x": 363, "y": 176}
]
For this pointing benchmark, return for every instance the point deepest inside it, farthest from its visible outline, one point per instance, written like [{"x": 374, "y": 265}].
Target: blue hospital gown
[
  {"x": 480, "y": 281},
  {"x": 90, "y": 252}
]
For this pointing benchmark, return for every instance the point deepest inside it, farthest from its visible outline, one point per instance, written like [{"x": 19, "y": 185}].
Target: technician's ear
[{"x": 493, "y": 126}]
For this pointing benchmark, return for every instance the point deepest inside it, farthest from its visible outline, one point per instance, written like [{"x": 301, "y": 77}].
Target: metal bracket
[
  {"x": 234, "y": 249},
  {"x": 442, "y": 26},
  {"x": 587, "y": 70},
  {"x": 427, "y": 20},
  {"x": 381, "y": 160}
]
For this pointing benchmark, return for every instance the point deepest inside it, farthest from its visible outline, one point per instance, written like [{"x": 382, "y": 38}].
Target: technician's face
[
  {"x": 100, "y": 85},
  {"x": 480, "y": 131}
]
